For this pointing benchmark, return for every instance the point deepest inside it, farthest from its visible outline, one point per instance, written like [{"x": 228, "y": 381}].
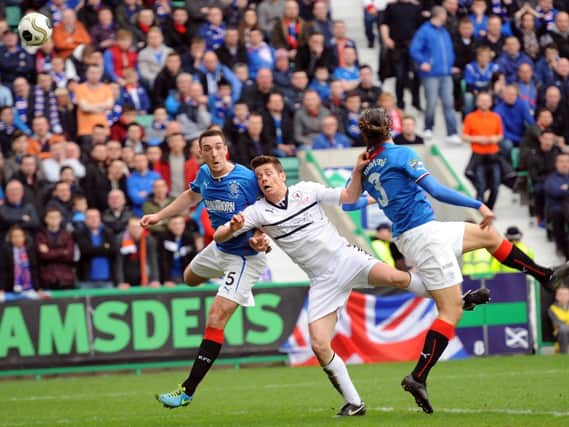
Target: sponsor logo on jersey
[{"x": 220, "y": 205}]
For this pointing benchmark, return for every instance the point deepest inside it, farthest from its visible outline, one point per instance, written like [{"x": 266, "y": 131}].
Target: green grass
[{"x": 500, "y": 391}]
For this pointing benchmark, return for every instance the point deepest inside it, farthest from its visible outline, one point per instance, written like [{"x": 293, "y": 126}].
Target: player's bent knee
[{"x": 321, "y": 347}]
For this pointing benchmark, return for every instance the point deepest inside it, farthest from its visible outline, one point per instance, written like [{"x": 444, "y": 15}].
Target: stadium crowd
[{"x": 99, "y": 126}]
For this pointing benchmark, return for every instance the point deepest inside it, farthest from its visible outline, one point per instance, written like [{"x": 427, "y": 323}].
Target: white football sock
[
  {"x": 340, "y": 379},
  {"x": 417, "y": 286}
]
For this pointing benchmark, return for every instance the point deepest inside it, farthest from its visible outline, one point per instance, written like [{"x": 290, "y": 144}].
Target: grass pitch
[{"x": 499, "y": 391}]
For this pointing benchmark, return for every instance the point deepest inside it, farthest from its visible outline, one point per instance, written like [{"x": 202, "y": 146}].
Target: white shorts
[
  {"x": 330, "y": 291},
  {"x": 240, "y": 273},
  {"x": 433, "y": 249}
]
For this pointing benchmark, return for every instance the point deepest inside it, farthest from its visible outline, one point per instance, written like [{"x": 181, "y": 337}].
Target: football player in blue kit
[
  {"x": 226, "y": 189},
  {"x": 397, "y": 179}
]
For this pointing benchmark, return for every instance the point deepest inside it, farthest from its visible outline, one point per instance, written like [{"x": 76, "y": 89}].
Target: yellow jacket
[
  {"x": 383, "y": 251},
  {"x": 476, "y": 262}
]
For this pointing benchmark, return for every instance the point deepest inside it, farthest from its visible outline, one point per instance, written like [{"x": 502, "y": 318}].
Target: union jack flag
[{"x": 374, "y": 329}]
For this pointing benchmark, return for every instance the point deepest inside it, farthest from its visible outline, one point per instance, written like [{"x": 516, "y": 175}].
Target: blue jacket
[
  {"x": 433, "y": 45},
  {"x": 543, "y": 71},
  {"x": 515, "y": 118},
  {"x": 477, "y": 79},
  {"x": 143, "y": 99},
  {"x": 137, "y": 183},
  {"x": 554, "y": 194},
  {"x": 509, "y": 65},
  {"x": 258, "y": 61},
  {"x": 321, "y": 142}
]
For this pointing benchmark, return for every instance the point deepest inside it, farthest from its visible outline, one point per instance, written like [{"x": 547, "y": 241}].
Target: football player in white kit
[{"x": 294, "y": 218}]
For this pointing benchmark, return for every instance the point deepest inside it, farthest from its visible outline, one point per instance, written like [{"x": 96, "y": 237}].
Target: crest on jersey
[
  {"x": 234, "y": 189},
  {"x": 416, "y": 164}
]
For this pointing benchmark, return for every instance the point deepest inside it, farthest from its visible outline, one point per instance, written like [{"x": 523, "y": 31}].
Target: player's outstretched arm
[
  {"x": 452, "y": 197},
  {"x": 225, "y": 232},
  {"x": 180, "y": 205},
  {"x": 353, "y": 191}
]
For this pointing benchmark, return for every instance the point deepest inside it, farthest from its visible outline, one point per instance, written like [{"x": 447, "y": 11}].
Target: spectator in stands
[
  {"x": 213, "y": 31},
  {"x": 232, "y": 51},
  {"x": 42, "y": 101},
  {"x": 530, "y": 140},
  {"x": 120, "y": 56},
  {"x": 541, "y": 163},
  {"x": 237, "y": 125},
  {"x": 93, "y": 99},
  {"x": 55, "y": 253},
  {"x": 119, "y": 129},
  {"x": 478, "y": 76},
  {"x": 552, "y": 101},
  {"x": 278, "y": 125},
  {"x": 408, "y": 135},
  {"x": 18, "y": 262},
  {"x": 259, "y": 54},
  {"x": 139, "y": 183},
  {"x": 116, "y": 216},
  {"x": 235, "y": 12},
  {"x": 321, "y": 83},
  {"x": 69, "y": 34},
  {"x": 177, "y": 167},
  {"x": 6, "y": 99},
  {"x": 367, "y": 89},
  {"x": 478, "y": 18},
  {"x": 561, "y": 77},
  {"x": 382, "y": 244},
  {"x": 157, "y": 201},
  {"x": 330, "y": 137},
  {"x": 177, "y": 247},
  {"x": 67, "y": 114},
  {"x": 349, "y": 73},
  {"x": 290, "y": 31},
  {"x": 88, "y": 13},
  {"x": 61, "y": 199},
  {"x": 514, "y": 235},
  {"x": 494, "y": 38},
  {"x": 525, "y": 31},
  {"x": 132, "y": 93},
  {"x": 153, "y": 57},
  {"x": 559, "y": 34},
  {"x": 192, "y": 60},
  {"x": 483, "y": 130},
  {"x": 58, "y": 158},
  {"x": 178, "y": 30},
  {"x": 545, "y": 67},
  {"x": 98, "y": 250},
  {"x": 15, "y": 60},
  {"x": 42, "y": 139},
  {"x": 511, "y": 59},
  {"x": 351, "y": 117},
  {"x": 339, "y": 42},
  {"x": 268, "y": 13},
  {"x": 308, "y": 119},
  {"x": 432, "y": 51},
  {"x": 166, "y": 79},
  {"x": 387, "y": 101},
  {"x": 465, "y": 45},
  {"x": 144, "y": 21},
  {"x": 54, "y": 10},
  {"x": 253, "y": 142},
  {"x": 313, "y": 55},
  {"x": 137, "y": 263},
  {"x": 193, "y": 115},
  {"x": 8, "y": 130},
  {"x": 14, "y": 157},
  {"x": 31, "y": 178},
  {"x": 515, "y": 116},
  {"x": 527, "y": 86},
  {"x": 15, "y": 211},
  {"x": 133, "y": 139},
  {"x": 95, "y": 180},
  {"x": 559, "y": 314},
  {"x": 22, "y": 94},
  {"x": 214, "y": 72},
  {"x": 104, "y": 32},
  {"x": 220, "y": 104},
  {"x": 557, "y": 202},
  {"x": 257, "y": 95}
]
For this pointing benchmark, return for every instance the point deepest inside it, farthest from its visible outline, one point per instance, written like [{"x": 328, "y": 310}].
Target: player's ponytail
[{"x": 375, "y": 125}]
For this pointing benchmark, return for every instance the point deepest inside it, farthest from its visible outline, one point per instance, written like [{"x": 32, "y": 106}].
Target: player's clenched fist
[
  {"x": 149, "y": 220},
  {"x": 237, "y": 222}
]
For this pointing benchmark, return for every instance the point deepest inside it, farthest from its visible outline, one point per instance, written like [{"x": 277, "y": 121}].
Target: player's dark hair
[
  {"x": 375, "y": 125},
  {"x": 212, "y": 132},
  {"x": 264, "y": 160}
]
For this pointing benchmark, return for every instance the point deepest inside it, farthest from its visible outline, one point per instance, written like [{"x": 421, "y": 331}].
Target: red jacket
[
  {"x": 122, "y": 60},
  {"x": 191, "y": 168},
  {"x": 56, "y": 266}
]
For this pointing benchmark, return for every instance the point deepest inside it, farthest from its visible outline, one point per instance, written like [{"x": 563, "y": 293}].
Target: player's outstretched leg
[
  {"x": 384, "y": 275},
  {"x": 449, "y": 305},
  {"x": 321, "y": 332},
  {"x": 210, "y": 347},
  {"x": 511, "y": 256}
]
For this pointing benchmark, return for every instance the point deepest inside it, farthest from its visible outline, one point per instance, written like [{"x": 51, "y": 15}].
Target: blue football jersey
[
  {"x": 226, "y": 196},
  {"x": 391, "y": 179}
]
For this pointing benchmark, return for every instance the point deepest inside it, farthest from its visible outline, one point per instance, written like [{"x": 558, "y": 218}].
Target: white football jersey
[{"x": 300, "y": 225}]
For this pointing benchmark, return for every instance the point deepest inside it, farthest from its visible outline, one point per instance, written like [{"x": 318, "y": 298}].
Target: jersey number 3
[{"x": 381, "y": 196}]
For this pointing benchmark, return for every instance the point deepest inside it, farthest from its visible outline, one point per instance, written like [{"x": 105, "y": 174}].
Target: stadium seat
[
  {"x": 13, "y": 15},
  {"x": 144, "y": 120},
  {"x": 178, "y": 3},
  {"x": 291, "y": 168}
]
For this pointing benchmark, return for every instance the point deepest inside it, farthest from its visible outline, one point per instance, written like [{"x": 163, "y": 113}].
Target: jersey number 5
[{"x": 381, "y": 196}]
